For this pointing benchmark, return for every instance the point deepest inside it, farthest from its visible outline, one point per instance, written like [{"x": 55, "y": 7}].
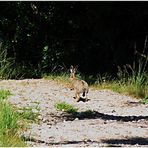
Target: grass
[
  {"x": 62, "y": 77},
  {"x": 9, "y": 69},
  {"x": 144, "y": 100},
  {"x": 4, "y": 94},
  {"x": 11, "y": 140},
  {"x": 137, "y": 87},
  {"x": 131, "y": 79},
  {"x": 9, "y": 126},
  {"x": 63, "y": 106},
  {"x": 29, "y": 114}
]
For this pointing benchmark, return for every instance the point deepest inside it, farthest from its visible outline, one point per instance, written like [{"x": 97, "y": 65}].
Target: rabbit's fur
[{"x": 80, "y": 86}]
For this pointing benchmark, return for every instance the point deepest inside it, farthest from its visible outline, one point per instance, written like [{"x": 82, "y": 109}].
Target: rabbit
[{"x": 80, "y": 86}]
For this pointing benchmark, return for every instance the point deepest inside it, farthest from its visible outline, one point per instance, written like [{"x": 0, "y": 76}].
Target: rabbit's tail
[{"x": 84, "y": 94}]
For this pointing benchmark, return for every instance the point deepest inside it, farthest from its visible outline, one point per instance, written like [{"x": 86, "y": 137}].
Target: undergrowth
[
  {"x": 131, "y": 79},
  {"x": 9, "y": 69},
  {"x": 9, "y": 126}
]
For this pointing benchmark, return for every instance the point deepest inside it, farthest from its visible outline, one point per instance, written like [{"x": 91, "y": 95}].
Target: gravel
[{"x": 113, "y": 120}]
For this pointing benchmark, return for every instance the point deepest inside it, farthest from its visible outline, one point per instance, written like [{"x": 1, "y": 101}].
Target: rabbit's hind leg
[{"x": 77, "y": 97}]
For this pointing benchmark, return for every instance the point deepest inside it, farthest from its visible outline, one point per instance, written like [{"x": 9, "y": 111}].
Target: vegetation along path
[{"x": 106, "y": 119}]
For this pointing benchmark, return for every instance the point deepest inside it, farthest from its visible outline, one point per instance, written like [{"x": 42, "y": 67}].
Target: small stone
[
  {"x": 44, "y": 120},
  {"x": 64, "y": 120},
  {"x": 34, "y": 110},
  {"x": 113, "y": 111},
  {"x": 40, "y": 117}
]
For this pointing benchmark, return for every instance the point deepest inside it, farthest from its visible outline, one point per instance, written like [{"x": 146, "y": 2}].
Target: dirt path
[{"x": 114, "y": 120}]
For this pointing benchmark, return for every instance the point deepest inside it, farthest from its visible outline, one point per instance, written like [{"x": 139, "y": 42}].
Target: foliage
[
  {"x": 9, "y": 69},
  {"x": 131, "y": 79},
  {"x": 39, "y": 37}
]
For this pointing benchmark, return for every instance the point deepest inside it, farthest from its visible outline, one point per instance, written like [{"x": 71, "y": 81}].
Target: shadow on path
[
  {"x": 130, "y": 141},
  {"x": 95, "y": 115},
  {"x": 109, "y": 142}
]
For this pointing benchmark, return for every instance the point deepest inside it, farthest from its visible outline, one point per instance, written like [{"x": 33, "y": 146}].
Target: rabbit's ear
[
  {"x": 71, "y": 68},
  {"x": 76, "y": 67}
]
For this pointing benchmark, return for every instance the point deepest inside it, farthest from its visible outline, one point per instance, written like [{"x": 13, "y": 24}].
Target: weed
[
  {"x": 29, "y": 113},
  {"x": 145, "y": 100},
  {"x": 63, "y": 106},
  {"x": 4, "y": 94}
]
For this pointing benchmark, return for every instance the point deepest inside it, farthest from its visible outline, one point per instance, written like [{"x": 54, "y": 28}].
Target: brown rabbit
[{"x": 80, "y": 86}]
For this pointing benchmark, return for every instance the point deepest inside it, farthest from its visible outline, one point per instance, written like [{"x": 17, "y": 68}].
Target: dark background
[{"x": 96, "y": 36}]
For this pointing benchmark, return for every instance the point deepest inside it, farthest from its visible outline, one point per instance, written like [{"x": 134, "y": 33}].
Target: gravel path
[{"x": 113, "y": 120}]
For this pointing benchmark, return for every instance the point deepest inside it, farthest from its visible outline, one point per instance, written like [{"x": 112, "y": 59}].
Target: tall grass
[
  {"x": 61, "y": 77},
  {"x": 9, "y": 69},
  {"x": 131, "y": 79},
  {"x": 5, "y": 65},
  {"x": 135, "y": 77},
  {"x": 8, "y": 123}
]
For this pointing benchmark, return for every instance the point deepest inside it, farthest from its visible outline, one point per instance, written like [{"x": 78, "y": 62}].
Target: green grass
[
  {"x": 63, "y": 106},
  {"x": 9, "y": 126},
  {"x": 144, "y": 100},
  {"x": 11, "y": 140},
  {"x": 4, "y": 94},
  {"x": 29, "y": 114},
  {"x": 62, "y": 77},
  {"x": 127, "y": 87},
  {"x": 131, "y": 79}
]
